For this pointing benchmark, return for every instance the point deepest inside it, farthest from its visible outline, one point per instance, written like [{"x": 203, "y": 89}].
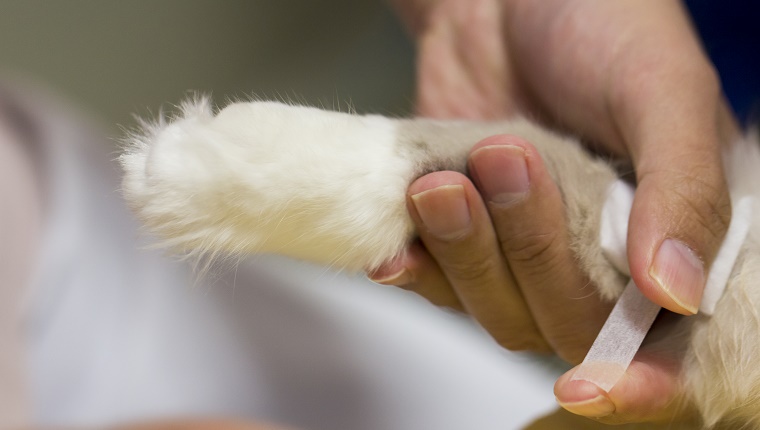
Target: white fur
[
  {"x": 267, "y": 177},
  {"x": 330, "y": 188},
  {"x": 722, "y": 369}
]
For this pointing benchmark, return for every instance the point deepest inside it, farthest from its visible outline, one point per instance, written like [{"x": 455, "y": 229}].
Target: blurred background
[{"x": 117, "y": 58}]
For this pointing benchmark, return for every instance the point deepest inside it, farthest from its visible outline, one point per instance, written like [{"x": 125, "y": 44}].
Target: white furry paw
[{"x": 265, "y": 177}]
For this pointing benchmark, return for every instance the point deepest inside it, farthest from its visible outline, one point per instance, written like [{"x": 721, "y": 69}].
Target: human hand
[
  {"x": 498, "y": 248},
  {"x": 628, "y": 76}
]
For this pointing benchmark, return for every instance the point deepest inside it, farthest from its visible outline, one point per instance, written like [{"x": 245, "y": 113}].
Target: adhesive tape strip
[{"x": 620, "y": 338}]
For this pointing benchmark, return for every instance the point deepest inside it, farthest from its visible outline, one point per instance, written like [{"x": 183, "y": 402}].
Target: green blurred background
[{"x": 116, "y": 58}]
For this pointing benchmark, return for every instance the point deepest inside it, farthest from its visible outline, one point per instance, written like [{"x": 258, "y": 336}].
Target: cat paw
[{"x": 266, "y": 177}]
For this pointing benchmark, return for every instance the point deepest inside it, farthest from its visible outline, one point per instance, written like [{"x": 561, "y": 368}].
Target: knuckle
[
  {"x": 532, "y": 249},
  {"x": 471, "y": 269},
  {"x": 702, "y": 203}
]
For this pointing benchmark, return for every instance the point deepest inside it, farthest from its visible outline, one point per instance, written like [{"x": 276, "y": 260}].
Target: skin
[{"x": 631, "y": 79}]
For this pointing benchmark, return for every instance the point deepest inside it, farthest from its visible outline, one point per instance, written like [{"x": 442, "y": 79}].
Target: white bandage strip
[
  {"x": 717, "y": 280},
  {"x": 619, "y": 339},
  {"x": 633, "y": 314}
]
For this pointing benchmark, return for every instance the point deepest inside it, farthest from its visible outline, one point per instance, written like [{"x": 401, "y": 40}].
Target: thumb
[
  {"x": 671, "y": 115},
  {"x": 676, "y": 126},
  {"x": 678, "y": 221},
  {"x": 680, "y": 213}
]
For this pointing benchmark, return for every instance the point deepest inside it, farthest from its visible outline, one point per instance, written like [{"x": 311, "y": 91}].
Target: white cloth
[
  {"x": 118, "y": 333},
  {"x": 614, "y": 233}
]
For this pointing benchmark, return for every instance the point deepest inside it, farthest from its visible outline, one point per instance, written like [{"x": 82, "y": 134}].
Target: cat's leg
[
  {"x": 328, "y": 187},
  {"x": 722, "y": 373},
  {"x": 271, "y": 178}
]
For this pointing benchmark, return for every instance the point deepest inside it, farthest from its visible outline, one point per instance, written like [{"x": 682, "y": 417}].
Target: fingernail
[
  {"x": 444, "y": 211},
  {"x": 679, "y": 273},
  {"x": 598, "y": 407},
  {"x": 394, "y": 274},
  {"x": 502, "y": 172}
]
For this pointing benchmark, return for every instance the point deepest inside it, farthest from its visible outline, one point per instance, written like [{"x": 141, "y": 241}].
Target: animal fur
[{"x": 330, "y": 187}]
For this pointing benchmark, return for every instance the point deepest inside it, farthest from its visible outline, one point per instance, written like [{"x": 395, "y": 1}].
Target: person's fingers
[
  {"x": 417, "y": 271},
  {"x": 463, "y": 70},
  {"x": 529, "y": 218},
  {"x": 442, "y": 77},
  {"x": 453, "y": 224}
]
